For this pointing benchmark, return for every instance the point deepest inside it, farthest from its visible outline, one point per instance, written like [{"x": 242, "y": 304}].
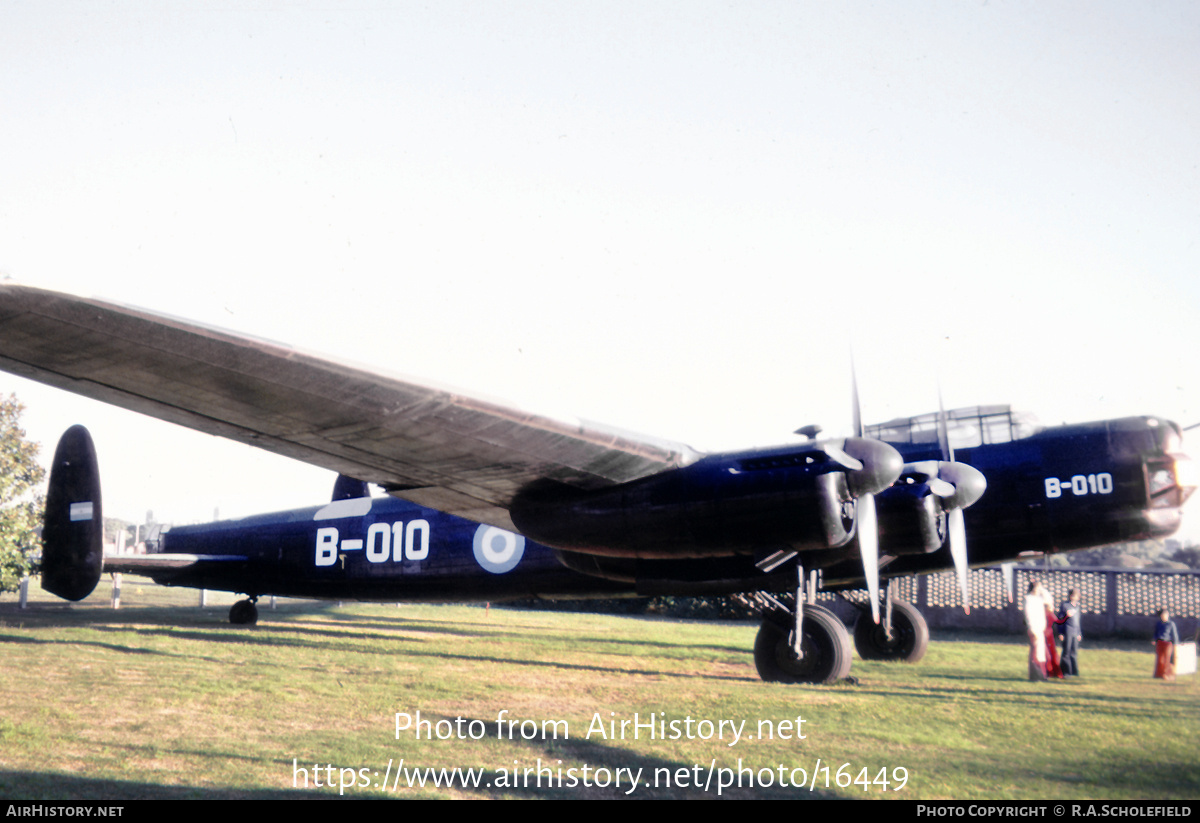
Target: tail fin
[
  {"x": 348, "y": 488},
  {"x": 73, "y": 532}
]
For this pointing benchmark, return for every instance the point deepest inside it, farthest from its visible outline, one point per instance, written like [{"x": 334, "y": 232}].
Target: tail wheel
[
  {"x": 243, "y": 613},
  {"x": 825, "y": 643},
  {"x": 909, "y": 640}
]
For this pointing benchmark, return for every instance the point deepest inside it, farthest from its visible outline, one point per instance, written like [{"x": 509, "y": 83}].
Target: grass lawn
[{"x": 162, "y": 699}]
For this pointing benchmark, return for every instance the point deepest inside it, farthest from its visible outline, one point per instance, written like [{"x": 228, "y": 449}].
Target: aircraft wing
[{"x": 432, "y": 445}]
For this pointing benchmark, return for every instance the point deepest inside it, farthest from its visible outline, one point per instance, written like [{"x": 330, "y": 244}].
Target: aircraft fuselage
[
  {"x": 1062, "y": 489},
  {"x": 372, "y": 549}
]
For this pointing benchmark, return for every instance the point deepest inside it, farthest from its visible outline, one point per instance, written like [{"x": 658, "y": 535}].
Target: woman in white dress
[{"x": 1035, "y": 627}]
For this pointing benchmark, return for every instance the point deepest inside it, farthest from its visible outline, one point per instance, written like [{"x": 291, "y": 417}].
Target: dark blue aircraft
[{"x": 488, "y": 502}]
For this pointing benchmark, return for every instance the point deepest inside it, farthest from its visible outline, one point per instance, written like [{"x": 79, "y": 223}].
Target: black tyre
[
  {"x": 825, "y": 644},
  {"x": 909, "y": 640},
  {"x": 243, "y": 613}
]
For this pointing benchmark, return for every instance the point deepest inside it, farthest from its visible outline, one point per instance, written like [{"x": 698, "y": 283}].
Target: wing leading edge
[{"x": 435, "y": 446}]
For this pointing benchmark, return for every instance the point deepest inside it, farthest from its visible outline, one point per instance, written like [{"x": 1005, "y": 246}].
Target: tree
[
  {"x": 1138, "y": 554},
  {"x": 1189, "y": 555},
  {"x": 21, "y": 502}
]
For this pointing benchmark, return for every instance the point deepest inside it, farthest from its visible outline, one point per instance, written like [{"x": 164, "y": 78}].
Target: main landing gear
[
  {"x": 824, "y": 648},
  {"x": 906, "y": 641},
  {"x": 822, "y": 654},
  {"x": 244, "y": 612},
  {"x": 806, "y": 644}
]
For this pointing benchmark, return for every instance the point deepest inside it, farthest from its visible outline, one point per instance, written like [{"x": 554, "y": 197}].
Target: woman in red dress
[{"x": 1052, "y": 667}]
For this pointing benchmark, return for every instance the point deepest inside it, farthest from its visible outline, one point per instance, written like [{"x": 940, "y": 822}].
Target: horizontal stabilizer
[{"x": 148, "y": 564}]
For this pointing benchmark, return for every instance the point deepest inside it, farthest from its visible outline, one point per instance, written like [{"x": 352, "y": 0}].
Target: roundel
[{"x": 496, "y": 550}]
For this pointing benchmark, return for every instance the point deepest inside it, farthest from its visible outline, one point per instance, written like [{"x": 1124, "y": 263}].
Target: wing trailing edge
[{"x": 435, "y": 446}]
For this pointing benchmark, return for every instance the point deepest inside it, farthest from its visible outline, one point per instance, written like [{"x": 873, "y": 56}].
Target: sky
[{"x": 678, "y": 218}]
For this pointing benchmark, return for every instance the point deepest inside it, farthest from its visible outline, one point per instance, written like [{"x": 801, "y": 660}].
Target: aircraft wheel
[
  {"x": 825, "y": 643},
  {"x": 243, "y": 613},
  {"x": 910, "y": 635}
]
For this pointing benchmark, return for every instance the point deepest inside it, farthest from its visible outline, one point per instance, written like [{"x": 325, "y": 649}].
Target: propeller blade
[
  {"x": 868, "y": 547},
  {"x": 958, "y": 527},
  {"x": 939, "y": 476},
  {"x": 940, "y": 487},
  {"x": 855, "y": 408},
  {"x": 958, "y": 551},
  {"x": 882, "y": 466},
  {"x": 840, "y": 457},
  {"x": 943, "y": 429}
]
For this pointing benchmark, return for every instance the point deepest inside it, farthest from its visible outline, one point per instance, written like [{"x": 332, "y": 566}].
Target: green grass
[{"x": 163, "y": 699}]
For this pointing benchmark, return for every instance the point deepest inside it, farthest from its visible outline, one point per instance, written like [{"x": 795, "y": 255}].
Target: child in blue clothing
[{"x": 1166, "y": 636}]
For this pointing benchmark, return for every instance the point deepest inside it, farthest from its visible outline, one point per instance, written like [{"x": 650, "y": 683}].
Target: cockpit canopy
[{"x": 967, "y": 427}]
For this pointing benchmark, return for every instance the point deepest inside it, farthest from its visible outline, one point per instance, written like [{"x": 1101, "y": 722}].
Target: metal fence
[{"x": 1115, "y": 602}]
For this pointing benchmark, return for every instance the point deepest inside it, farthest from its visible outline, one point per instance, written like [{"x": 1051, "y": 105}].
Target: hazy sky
[{"x": 671, "y": 217}]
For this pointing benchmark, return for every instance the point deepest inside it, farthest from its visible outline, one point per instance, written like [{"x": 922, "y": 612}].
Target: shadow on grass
[
  {"x": 1129, "y": 773},
  {"x": 552, "y": 769},
  {"x": 1018, "y": 694},
  {"x": 55, "y": 786},
  {"x": 1123, "y": 644},
  {"x": 190, "y": 617},
  {"x": 387, "y": 645},
  {"x": 544, "y": 766},
  {"x": 112, "y": 647},
  {"x": 544, "y": 772},
  {"x": 347, "y": 633}
]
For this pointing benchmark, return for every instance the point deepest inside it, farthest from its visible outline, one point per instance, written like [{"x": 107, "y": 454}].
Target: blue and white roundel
[{"x": 496, "y": 550}]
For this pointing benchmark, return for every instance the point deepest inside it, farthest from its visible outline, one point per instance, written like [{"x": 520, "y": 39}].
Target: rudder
[{"x": 73, "y": 528}]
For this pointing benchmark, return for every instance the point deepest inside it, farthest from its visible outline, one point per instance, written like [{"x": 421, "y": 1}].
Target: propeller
[
  {"x": 870, "y": 466},
  {"x": 969, "y": 483},
  {"x": 957, "y": 486},
  {"x": 867, "y": 523}
]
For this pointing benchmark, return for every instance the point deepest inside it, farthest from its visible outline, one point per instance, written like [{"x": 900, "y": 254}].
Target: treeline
[{"x": 1148, "y": 554}]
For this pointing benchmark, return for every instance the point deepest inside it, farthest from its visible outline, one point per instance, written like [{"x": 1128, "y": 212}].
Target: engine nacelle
[
  {"x": 911, "y": 520},
  {"x": 912, "y": 512},
  {"x": 721, "y": 505}
]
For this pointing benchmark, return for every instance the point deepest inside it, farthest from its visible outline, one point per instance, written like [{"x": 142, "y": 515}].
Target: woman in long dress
[
  {"x": 1035, "y": 628},
  {"x": 1052, "y": 667}
]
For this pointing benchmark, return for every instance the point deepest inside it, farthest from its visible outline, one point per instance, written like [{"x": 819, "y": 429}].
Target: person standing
[
  {"x": 1052, "y": 622},
  {"x": 1035, "y": 627},
  {"x": 1166, "y": 636},
  {"x": 1070, "y": 617}
]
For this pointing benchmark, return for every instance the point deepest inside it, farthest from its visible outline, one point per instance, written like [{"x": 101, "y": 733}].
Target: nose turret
[{"x": 1184, "y": 471}]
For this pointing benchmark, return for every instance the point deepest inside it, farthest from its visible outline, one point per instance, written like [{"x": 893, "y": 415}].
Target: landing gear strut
[{"x": 244, "y": 612}]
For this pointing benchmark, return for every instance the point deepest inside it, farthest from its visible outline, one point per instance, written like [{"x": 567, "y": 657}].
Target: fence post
[{"x": 1110, "y": 601}]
